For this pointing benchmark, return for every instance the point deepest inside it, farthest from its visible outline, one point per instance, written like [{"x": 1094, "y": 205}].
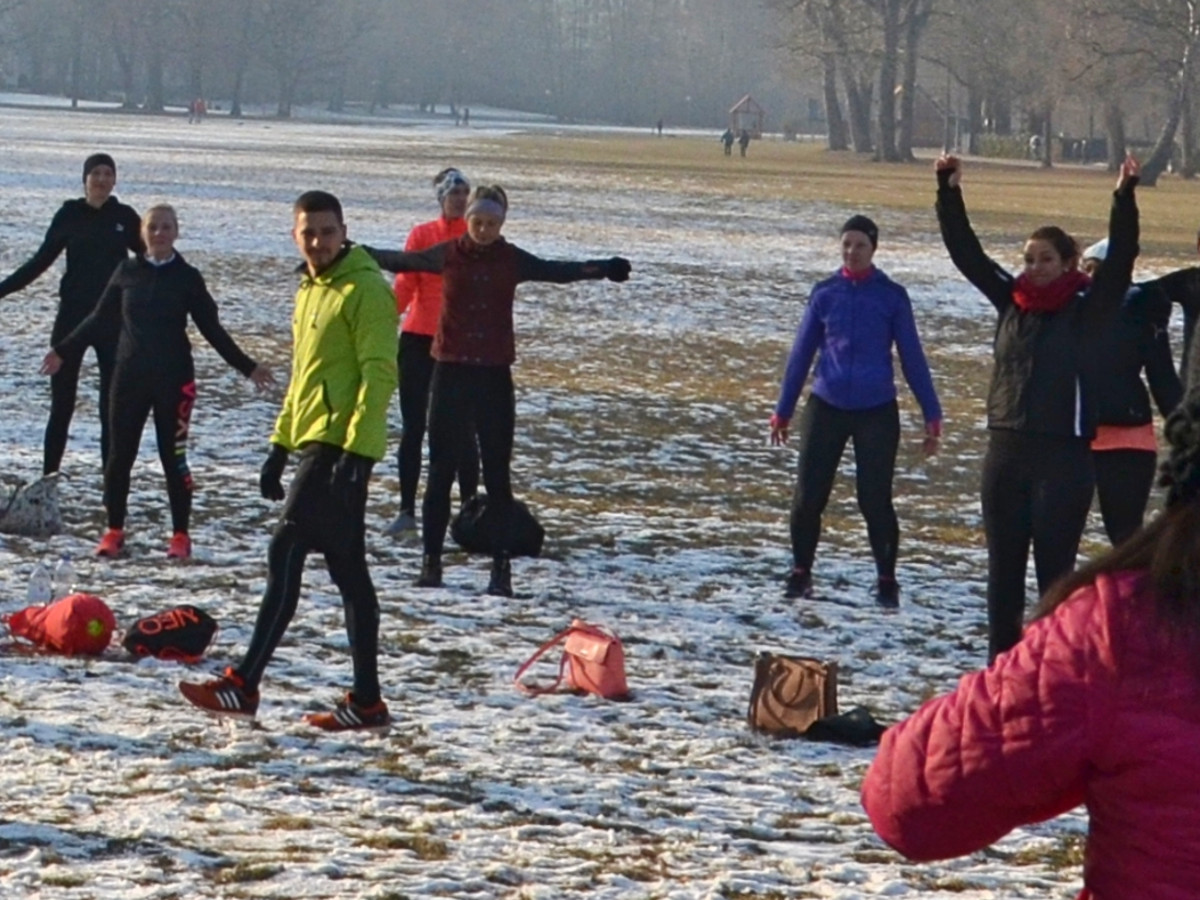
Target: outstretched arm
[
  {"x": 430, "y": 260},
  {"x": 42, "y": 259},
  {"x": 534, "y": 268},
  {"x": 203, "y": 310},
  {"x": 965, "y": 250}
]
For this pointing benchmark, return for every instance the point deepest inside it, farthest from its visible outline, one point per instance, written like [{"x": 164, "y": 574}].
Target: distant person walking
[
  {"x": 153, "y": 297},
  {"x": 98, "y": 232},
  {"x": 850, "y": 325},
  {"x": 335, "y": 417},
  {"x": 1125, "y": 449},
  {"x": 1038, "y": 474},
  {"x": 727, "y": 141},
  {"x": 474, "y": 350},
  {"x": 419, "y": 301},
  {"x": 743, "y": 141}
]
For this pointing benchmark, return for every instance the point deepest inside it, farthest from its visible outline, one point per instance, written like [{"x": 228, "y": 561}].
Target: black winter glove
[
  {"x": 618, "y": 269},
  {"x": 351, "y": 472},
  {"x": 269, "y": 483}
]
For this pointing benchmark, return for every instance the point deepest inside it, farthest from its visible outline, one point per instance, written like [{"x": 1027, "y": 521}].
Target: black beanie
[
  {"x": 98, "y": 159},
  {"x": 865, "y": 225}
]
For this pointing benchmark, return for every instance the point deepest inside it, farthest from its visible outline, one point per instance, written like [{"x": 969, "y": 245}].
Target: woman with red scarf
[{"x": 1037, "y": 474}]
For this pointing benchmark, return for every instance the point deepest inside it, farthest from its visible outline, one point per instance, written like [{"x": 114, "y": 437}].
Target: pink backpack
[
  {"x": 76, "y": 624},
  {"x": 593, "y": 661}
]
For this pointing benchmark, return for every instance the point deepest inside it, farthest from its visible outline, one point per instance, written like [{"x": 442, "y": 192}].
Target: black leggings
[
  {"x": 64, "y": 386},
  {"x": 1123, "y": 482},
  {"x": 416, "y": 370},
  {"x": 824, "y": 431},
  {"x": 466, "y": 400},
  {"x": 134, "y": 397},
  {"x": 318, "y": 517},
  {"x": 1035, "y": 488}
]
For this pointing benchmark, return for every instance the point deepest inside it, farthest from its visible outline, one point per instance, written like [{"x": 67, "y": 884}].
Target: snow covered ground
[{"x": 641, "y": 444}]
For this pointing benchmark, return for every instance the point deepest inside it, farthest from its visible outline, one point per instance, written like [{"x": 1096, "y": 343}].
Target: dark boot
[
  {"x": 887, "y": 592},
  {"x": 500, "y": 584},
  {"x": 799, "y": 583},
  {"x": 431, "y": 572}
]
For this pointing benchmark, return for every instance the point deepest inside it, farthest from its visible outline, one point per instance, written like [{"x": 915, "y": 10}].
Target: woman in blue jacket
[{"x": 852, "y": 320}]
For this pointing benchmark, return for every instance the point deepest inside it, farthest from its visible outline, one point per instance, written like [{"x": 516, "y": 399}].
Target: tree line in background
[
  {"x": 1017, "y": 64},
  {"x": 624, "y": 61}
]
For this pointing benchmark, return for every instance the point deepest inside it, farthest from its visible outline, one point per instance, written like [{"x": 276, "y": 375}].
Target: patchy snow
[{"x": 640, "y": 442}]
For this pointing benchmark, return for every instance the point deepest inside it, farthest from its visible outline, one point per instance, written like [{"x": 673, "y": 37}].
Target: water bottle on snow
[
  {"x": 41, "y": 587},
  {"x": 63, "y": 582}
]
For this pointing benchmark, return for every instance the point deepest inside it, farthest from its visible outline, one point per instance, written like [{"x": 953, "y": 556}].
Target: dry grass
[{"x": 1007, "y": 198}]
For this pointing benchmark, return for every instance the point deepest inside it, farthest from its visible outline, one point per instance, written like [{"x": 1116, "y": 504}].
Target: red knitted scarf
[{"x": 1050, "y": 297}]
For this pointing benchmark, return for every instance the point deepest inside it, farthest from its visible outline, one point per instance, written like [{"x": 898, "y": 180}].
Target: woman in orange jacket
[{"x": 419, "y": 302}]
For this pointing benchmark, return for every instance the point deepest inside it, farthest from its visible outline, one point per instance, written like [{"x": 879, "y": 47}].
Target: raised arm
[
  {"x": 42, "y": 259},
  {"x": 1113, "y": 278},
  {"x": 534, "y": 268},
  {"x": 394, "y": 261},
  {"x": 991, "y": 279}
]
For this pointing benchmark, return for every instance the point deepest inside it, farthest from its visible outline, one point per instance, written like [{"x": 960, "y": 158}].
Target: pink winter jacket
[{"x": 1093, "y": 706}]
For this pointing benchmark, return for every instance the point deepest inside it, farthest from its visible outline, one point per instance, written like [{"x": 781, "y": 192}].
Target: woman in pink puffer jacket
[{"x": 1098, "y": 704}]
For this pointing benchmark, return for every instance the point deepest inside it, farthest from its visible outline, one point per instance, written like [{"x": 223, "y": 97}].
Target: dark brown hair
[
  {"x": 1062, "y": 242},
  {"x": 318, "y": 201}
]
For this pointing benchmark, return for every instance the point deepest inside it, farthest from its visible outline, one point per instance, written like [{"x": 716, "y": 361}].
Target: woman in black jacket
[
  {"x": 1125, "y": 449},
  {"x": 1042, "y": 405},
  {"x": 98, "y": 232},
  {"x": 152, "y": 297}
]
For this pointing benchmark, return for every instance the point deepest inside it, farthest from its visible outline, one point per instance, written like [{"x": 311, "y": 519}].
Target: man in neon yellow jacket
[{"x": 335, "y": 416}]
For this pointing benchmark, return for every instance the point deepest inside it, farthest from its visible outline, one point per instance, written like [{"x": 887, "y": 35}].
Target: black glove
[
  {"x": 269, "y": 484},
  {"x": 351, "y": 472},
  {"x": 617, "y": 269}
]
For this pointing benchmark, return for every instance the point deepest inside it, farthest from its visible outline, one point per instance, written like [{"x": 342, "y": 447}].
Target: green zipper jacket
[{"x": 343, "y": 359}]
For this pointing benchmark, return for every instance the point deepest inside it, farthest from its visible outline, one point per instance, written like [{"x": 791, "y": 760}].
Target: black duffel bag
[{"x": 478, "y": 529}]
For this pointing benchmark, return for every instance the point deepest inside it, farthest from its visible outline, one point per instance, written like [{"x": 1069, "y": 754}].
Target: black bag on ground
[
  {"x": 796, "y": 696},
  {"x": 477, "y": 529},
  {"x": 181, "y": 633}
]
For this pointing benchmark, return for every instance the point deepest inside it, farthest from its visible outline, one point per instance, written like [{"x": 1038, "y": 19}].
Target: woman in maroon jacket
[
  {"x": 1097, "y": 704},
  {"x": 474, "y": 350}
]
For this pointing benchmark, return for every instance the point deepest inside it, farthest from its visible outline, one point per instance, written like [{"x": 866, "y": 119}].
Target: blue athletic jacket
[{"x": 853, "y": 325}]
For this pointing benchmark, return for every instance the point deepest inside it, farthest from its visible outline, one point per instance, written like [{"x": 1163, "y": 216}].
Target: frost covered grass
[{"x": 641, "y": 443}]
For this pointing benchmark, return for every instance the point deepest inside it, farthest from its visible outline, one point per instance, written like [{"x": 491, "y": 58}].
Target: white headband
[{"x": 489, "y": 206}]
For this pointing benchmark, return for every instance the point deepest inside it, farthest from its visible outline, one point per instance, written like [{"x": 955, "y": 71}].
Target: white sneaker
[{"x": 404, "y": 523}]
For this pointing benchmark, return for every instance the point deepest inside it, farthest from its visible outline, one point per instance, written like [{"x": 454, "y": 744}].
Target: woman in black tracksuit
[
  {"x": 98, "y": 232},
  {"x": 152, "y": 297},
  {"x": 1125, "y": 449},
  {"x": 1042, "y": 406}
]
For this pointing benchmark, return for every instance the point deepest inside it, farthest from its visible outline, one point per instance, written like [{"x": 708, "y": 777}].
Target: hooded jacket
[
  {"x": 420, "y": 293},
  {"x": 853, "y": 323},
  {"x": 343, "y": 359},
  {"x": 1095, "y": 705}
]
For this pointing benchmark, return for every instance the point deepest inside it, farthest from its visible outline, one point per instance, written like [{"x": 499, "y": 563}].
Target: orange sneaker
[
  {"x": 349, "y": 716},
  {"x": 112, "y": 543},
  {"x": 180, "y": 546},
  {"x": 224, "y": 696}
]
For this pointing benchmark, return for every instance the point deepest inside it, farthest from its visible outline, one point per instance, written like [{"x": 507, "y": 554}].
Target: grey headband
[{"x": 449, "y": 181}]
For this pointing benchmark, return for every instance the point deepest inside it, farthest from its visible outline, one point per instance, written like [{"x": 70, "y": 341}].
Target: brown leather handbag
[{"x": 790, "y": 693}]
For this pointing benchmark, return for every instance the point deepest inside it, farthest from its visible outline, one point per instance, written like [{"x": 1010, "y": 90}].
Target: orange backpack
[{"x": 593, "y": 661}]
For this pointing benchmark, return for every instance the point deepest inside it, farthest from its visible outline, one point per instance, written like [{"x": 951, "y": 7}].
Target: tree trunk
[
  {"x": 974, "y": 118},
  {"x": 1160, "y": 156},
  {"x": 858, "y": 101},
  {"x": 918, "y": 17},
  {"x": 835, "y": 124},
  {"x": 1114, "y": 127},
  {"x": 887, "y": 82},
  {"x": 1187, "y": 139},
  {"x": 1047, "y": 137},
  {"x": 155, "y": 95}
]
